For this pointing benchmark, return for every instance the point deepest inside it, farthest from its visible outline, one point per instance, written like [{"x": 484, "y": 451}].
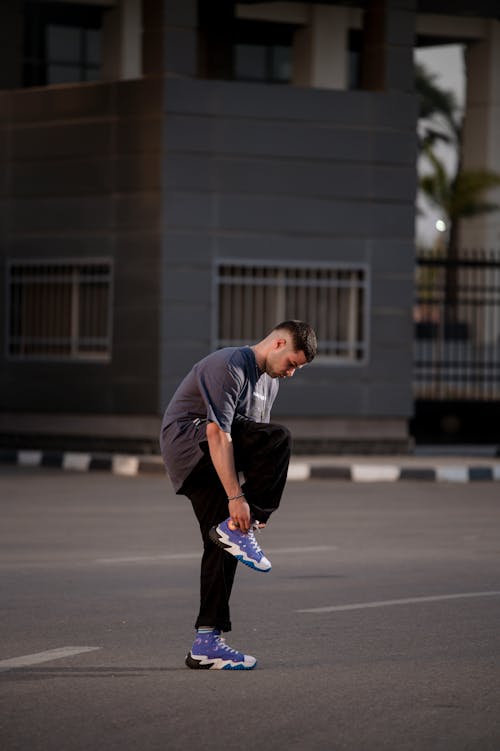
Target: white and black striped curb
[
  {"x": 118, "y": 464},
  {"x": 128, "y": 465},
  {"x": 393, "y": 473}
]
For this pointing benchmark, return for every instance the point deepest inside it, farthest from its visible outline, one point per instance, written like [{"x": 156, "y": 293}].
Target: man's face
[{"x": 282, "y": 361}]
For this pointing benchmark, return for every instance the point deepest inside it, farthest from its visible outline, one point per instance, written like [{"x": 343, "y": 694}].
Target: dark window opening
[
  {"x": 263, "y": 52},
  {"x": 354, "y": 58},
  {"x": 333, "y": 297},
  {"x": 232, "y": 48},
  {"x": 59, "y": 310},
  {"x": 62, "y": 43}
]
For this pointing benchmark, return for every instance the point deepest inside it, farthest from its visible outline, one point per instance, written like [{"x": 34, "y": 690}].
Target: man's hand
[{"x": 239, "y": 511}]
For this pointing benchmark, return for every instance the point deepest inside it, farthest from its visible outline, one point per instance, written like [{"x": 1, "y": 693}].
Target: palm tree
[
  {"x": 458, "y": 196},
  {"x": 461, "y": 195},
  {"x": 438, "y": 110}
]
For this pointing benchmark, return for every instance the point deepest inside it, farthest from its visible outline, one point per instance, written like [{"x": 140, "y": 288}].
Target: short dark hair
[{"x": 303, "y": 336}]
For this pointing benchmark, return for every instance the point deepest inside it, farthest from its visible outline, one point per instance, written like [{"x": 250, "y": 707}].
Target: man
[{"x": 216, "y": 427}]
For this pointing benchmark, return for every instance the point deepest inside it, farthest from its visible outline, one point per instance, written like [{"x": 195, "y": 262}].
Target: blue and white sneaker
[
  {"x": 242, "y": 545},
  {"x": 210, "y": 652}
]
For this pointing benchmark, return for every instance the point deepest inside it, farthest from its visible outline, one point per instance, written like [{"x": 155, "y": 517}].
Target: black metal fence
[{"x": 457, "y": 327}]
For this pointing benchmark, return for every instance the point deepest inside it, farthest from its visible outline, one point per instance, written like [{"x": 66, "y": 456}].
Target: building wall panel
[
  {"x": 82, "y": 168},
  {"x": 286, "y": 174}
]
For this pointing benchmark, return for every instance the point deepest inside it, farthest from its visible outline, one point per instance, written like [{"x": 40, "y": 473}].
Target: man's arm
[{"x": 221, "y": 452}]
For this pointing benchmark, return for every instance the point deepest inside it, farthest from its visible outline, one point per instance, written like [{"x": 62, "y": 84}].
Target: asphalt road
[{"x": 378, "y": 627}]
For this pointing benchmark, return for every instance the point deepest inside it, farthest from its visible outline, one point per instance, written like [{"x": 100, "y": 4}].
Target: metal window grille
[
  {"x": 457, "y": 327},
  {"x": 333, "y": 298},
  {"x": 59, "y": 310}
]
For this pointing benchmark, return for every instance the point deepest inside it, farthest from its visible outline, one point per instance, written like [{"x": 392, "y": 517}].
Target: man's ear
[{"x": 279, "y": 343}]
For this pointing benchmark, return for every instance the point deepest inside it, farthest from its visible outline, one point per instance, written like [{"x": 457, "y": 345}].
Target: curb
[
  {"x": 394, "y": 473},
  {"x": 131, "y": 466},
  {"x": 117, "y": 464}
]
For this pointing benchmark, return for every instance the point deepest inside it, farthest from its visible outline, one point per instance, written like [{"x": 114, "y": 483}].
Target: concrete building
[{"x": 180, "y": 175}]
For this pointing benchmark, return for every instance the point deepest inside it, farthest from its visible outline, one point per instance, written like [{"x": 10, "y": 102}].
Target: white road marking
[
  {"x": 186, "y": 556},
  {"x": 315, "y": 549},
  {"x": 405, "y": 601},
  {"x": 150, "y": 558},
  {"x": 39, "y": 657}
]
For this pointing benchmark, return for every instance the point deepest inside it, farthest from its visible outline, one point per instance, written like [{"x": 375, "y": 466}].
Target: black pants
[{"x": 262, "y": 453}]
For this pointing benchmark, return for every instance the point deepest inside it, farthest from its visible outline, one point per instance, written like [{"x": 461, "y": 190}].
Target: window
[
  {"x": 59, "y": 310},
  {"x": 263, "y": 52},
  {"x": 62, "y": 43},
  {"x": 251, "y": 299},
  {"x": 259, "y": 62},
  {"x": 354, "y": 58}
]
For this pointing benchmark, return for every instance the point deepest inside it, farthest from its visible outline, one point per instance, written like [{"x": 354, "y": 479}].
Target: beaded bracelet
[{"x": 235, "y": 497}]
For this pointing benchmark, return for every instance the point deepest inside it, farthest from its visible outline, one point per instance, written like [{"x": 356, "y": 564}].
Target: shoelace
[
  {"x": 221, "y": 642},
  {"x": 251, "y": 538}
]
